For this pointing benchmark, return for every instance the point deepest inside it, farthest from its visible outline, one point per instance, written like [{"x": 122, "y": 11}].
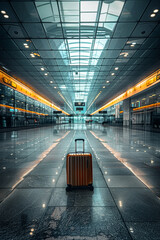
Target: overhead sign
[
  {"x": 79, "y": 104},
  {"x": 79, "y": 109},
  {"x": 57, "y": 112},
  {"x": 103, "y": 112}
]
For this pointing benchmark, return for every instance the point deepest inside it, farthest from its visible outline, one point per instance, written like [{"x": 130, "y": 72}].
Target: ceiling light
[
  {"x": 156, "y": 10},
  {"x": 51, "y": 81},
  {"x": 37, "y": 54},
  {"x": 107, "y": 81},
  {"x": 132, "y": 45},
  {"x": 112, "y": 74},
  {"x": 6, "y": 16},
  {"x": 103, "y": 86},
  {"x": 46, "y": 74},
  {"x": 26, "y": 46},
  {"x": 153, "y": 15},
  {"x": 3, "y": 12},
  {"x": 55, "y": 87},
  {"x": 116, "y": 68},
  {"x": 42, "y": 69},
  {"x": 32, "y": 55},
  {"x": 125, "y": 55}
]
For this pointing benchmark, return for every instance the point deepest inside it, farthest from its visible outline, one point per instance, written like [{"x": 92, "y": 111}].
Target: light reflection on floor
[{"x": 121, "y": 206}]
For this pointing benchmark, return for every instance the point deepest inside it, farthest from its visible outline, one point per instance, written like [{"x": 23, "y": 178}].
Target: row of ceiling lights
[
  {"x": 4, "y": 14},
  {"x": 154, "y": 13},
  {"x": 125, "y": 54}
]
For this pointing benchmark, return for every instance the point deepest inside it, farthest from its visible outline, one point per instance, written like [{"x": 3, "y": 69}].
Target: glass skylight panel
[
  {"x": 104, "y": 8},
  {"x": 94, "y": 62},
  {"x": 111, "y": 18},
  {"x": 100, "y": 44},
  {"x": 69, "y": 11},
  {"x": 69, "y": 6},
  {"x": 103, "y": 17},
  {"x": 89, "y": 6},
  {"x": 73, "y": 44},
  {"x": 48, "y": 12},
  {"x": 84, "y": 54},
  {"x": 88, "y": 17},
  {"x": 115, "y": 8}
]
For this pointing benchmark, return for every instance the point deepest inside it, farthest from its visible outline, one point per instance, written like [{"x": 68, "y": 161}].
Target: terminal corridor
[{"x": 124, "y": 204}]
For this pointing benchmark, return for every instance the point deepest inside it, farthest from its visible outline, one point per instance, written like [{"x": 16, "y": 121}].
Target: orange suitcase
[{"x": 79, "y": 169}]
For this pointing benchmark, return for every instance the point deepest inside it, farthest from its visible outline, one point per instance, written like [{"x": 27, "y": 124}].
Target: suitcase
[{"x": 79, "y": 169}]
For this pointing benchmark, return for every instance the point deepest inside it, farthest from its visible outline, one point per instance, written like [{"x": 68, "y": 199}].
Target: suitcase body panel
[{"x": 79, "y": 169}]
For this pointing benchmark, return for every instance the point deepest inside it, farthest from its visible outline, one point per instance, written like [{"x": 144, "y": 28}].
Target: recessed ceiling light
[
  {"x": 125, "y": 55},
  {"x": 46, "y": 74},
  {"x": 132, "y": 45},
  {"x": 51, "y": 81},
  {"x": 116, "y": 68},
  {"x": 3, "y": 12},
  {"x": 112, "y": 74},
  {"x": 103, "y": 86},
  {"x": 26, "y": 46},
  {"x": 32, "y": 55},
  {"x": 107, "y": 81},
  {"x": 153, "y": 15},
  {"x": 42, "y": 69},
  {"x": 55, "y": 87},
  {"x": 156, "y": 10},
  {"x": 6, "y": 16}
]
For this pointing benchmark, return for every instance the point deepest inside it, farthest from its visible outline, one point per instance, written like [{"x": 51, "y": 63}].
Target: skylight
[{"x": 83, "y": 30}]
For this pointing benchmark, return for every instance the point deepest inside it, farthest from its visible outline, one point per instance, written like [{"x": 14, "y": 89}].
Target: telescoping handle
[{"x": 79, "y": 139}]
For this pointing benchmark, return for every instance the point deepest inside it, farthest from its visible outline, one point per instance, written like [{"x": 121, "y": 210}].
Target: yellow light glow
[
  {"x": 141, "y": 86},
  {"x": 122, "y": 160},
  {"x": 147, "y": 106},
  {"x": 22, "y": 110}
]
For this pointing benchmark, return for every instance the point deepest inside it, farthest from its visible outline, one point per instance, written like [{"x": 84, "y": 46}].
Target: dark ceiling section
[{"x": 73, "y": 50}]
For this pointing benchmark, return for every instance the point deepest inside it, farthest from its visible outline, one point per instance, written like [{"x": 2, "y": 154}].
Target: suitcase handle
[{"x": 79, "y": 139}]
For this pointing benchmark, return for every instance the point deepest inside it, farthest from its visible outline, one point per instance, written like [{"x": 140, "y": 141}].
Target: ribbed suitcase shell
[{"x": 79, "y": 169}]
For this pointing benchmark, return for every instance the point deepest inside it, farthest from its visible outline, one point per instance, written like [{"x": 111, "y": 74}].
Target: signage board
[
  {"x": 57, "y": 112},
  {"x": 79, "y": 109},
  {"x": 79, "y": 104},
  {"x": 103, "y": 112}
]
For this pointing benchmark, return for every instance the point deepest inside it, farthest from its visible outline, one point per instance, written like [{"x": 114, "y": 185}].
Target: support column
[{"x": 127, "y": 112}]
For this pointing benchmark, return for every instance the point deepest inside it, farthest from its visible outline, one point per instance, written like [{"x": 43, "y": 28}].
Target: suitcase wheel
[
  {"x": 68, "y": 188},
  {"x": 91, "y": 187}
]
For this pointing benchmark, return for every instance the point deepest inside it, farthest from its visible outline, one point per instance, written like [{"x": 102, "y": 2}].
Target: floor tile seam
[
  {"x": 85, "y": 206},
  {"x": 34, "y": 188},
  {"x": 25, "y": 176},
  {"x": 140, "y": 221},
  {"x": 72, "y": 206},
  {"x": 40, "y": 221},
  {"x": 54, "y": 149},
  {"x": 112, "y": 194},
  {"x": 121, "y": 163}
]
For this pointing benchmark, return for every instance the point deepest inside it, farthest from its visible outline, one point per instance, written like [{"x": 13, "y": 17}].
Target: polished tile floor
[{"x": 125, "y": 202}]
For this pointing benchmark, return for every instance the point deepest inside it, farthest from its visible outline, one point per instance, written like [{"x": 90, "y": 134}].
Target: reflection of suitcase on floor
[{"x": 79, "y": 169}]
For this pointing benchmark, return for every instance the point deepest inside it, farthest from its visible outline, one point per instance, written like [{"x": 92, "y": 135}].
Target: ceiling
[{"x": 73, "y": 51}]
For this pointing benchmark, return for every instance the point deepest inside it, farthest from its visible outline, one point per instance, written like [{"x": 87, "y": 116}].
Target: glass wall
[
  {"x": 146, "y": 108},
  {"x": 17, "y": 110}
]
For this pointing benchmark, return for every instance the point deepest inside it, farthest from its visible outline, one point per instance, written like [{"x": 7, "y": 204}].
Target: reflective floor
[{"x": 125, "y": 202}]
